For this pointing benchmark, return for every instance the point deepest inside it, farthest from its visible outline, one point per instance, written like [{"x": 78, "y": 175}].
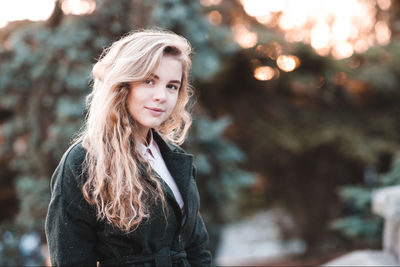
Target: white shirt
[{"x": 153, "y": 155}]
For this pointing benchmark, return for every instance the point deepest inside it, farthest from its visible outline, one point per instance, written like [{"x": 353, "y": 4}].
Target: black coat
[{"x": 76, "y": 237}]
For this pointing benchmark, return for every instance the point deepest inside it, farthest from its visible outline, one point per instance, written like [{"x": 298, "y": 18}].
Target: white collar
[{"x": 144, "y": 149}]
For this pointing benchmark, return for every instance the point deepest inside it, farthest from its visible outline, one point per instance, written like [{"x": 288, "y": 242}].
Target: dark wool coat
[{"x": 76, "y": 237}]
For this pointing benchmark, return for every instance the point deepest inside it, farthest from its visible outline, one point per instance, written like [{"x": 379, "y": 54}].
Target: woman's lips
[{"x": 155, "y": 111}]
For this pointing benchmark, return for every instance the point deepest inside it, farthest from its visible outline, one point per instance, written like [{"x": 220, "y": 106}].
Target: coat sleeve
[
  {"x": 197, "y": 252},
  {"x": 70, "y": 222}
]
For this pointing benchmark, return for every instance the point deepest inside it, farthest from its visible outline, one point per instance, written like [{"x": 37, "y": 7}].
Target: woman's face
[{"x": 152, "y": 101}]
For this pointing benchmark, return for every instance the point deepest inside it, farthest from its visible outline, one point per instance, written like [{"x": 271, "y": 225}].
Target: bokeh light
[
  {"x": 342, "y": 50},
  {"x": 287, "y": 63},
  {"x": 210, "y": 2},
  {"x": 320, "y": 35},
  {"x": 243, "y": 36},
  {"x": 41, "y": 9},
  {"x": 272, "y": 50},
  {"x": 264, "y": 73},
  {"x": 78, "y": 7},
  {"x": 383, "y": 32},
  {"x": 384, "y": 4},
  {"x": 339, "y": 27},
  {"x": 25, "y": 9},
  {"x": 215, "y": 17}
]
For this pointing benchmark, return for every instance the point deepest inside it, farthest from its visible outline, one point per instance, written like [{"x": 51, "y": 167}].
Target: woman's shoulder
[
  {"x": 71, "y": 164},
  {"x": 68, "y": 179},
  {"x": 176, "y": 148},
  {"x": 75, "y": 154}
]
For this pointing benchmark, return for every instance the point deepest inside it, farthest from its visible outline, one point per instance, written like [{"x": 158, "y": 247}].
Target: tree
[{"x": 311, "y": 130}]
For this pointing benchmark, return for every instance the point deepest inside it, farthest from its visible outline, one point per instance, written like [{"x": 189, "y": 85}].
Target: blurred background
[{"x": 297, "y": 118}]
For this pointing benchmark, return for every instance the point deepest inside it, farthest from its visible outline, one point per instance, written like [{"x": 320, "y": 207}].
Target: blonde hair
[{"x": 116, "y": 182}]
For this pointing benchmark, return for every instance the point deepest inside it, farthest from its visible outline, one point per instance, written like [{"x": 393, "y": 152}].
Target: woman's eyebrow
[
  {"x": 154, "y": 76},
  {"x": 175, "y": 81}
]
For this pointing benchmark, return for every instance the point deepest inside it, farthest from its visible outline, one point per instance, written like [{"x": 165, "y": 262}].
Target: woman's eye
[
  {"x": 173, "y": 87},
  {"x": 149, "y": 82}
]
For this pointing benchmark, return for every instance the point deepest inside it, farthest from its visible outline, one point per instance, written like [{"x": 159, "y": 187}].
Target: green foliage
[
  {"x": 218, "y": 163},
  {"x": 311, "y": 130},
  {"x": 366, "y": 228},
  {"x": 19, "y": 247},
  {"x": 35, "y": 191},
  {"x": 361, "y": 224},
  {"x": 210, "y": 43},
  {"x": 393, "y": 176},
  {"x": 358, "y": 196},
  {"x": 382, "y": 68},
  {"x": 219, "y": 175},
  {"x": 43, "y": 87}
]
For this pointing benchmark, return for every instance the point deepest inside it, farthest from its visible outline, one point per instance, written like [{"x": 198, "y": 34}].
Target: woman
[{"x": 121, "y": 195}]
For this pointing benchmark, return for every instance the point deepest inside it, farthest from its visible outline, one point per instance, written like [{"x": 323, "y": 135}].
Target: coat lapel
[{"x": 179, "y": 165}]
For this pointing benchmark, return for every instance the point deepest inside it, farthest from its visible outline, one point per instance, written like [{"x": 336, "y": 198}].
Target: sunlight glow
[
  {"x": 340, "y": 27},
  {"x": 264, "y": 73},
  {"x": 11, "y": 10},
  {"x": 210, "y": 2},
  {"x": 78, "y": 7},
  {"x": 320, "y": 35},
  {"x": 341, "y": 30},
  {"x": 361, "y": 46},
  {"x": 215, "y": 17},
  {"x": 342, "y": 50},
  {"x": 287, "y": 62},
  {"x": 273, "y": 50},
  {"x": 258, "y": 8},
  {"x": 383, "y": 33},
  {"x": 294, "y": 17},
  {"x": 25, "y": 9},
  {"x": 264, "y": 19},
  {"x": 243, "y": 36},
  {"x": 384, "y": 4}
]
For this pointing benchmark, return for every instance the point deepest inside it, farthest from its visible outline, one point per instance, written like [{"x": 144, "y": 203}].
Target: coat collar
[{"x": 179, "y": 164}]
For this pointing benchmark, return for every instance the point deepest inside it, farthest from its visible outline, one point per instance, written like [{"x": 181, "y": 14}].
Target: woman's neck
[{"x": 144, "y": 136}]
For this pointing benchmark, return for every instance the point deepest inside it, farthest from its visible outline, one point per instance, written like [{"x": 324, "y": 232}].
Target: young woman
[{"x": 125, "y": 193}]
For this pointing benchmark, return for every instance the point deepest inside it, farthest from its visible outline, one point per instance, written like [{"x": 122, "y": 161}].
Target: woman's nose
[{"x": 159, "y": 94}]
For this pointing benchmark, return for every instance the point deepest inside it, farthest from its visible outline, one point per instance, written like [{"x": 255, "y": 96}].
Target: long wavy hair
[{"x": 120, "y": 183}]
